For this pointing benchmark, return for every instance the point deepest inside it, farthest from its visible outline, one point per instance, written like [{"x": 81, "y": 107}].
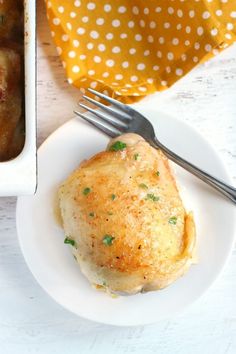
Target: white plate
[{"x": 51, "y": 261}]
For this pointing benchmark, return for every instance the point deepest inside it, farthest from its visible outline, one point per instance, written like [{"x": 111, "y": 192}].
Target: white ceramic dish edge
[{"x": 18, "y": 176}]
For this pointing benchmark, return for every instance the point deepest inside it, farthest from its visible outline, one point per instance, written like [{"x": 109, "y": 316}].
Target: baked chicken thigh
[
  {"x": 11, "y": 78},
  {"x": 123, "y": 215}
]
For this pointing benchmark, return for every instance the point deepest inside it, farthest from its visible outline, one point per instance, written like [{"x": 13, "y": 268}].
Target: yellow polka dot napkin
[{"x": 130, "y": 48}]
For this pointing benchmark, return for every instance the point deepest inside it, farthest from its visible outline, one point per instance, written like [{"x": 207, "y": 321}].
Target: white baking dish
[{"x": 18, "y": 176}]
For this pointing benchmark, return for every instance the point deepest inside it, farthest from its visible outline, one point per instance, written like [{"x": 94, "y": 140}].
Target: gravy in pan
[{"x": 11, "y": 78}]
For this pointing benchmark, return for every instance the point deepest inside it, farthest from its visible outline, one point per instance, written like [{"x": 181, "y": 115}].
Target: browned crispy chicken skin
[
  {"x": 11, "y": 78},
  {"x": 125, "y": 220}
]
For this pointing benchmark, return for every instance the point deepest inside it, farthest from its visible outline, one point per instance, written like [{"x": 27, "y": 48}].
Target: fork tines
[{"x": 116, "y": 121}]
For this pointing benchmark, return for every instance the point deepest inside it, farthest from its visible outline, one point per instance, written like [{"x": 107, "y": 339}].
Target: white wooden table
[{"x": 31, "y": 322}]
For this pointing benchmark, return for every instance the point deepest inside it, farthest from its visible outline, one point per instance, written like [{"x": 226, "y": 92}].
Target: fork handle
[{"x": 225, "y": 189}]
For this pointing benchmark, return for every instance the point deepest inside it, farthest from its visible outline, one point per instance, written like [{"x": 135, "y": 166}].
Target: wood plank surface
[{"x": 30, "y": 321}]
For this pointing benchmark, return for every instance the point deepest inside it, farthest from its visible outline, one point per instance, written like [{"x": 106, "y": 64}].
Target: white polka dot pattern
[{"x": 134, "y": 48}]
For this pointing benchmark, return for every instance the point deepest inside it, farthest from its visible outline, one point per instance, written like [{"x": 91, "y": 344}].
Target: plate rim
[{"x": 175, "y": 312}]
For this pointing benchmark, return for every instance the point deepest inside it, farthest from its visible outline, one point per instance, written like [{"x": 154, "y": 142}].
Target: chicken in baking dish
[
  {"x": 125, "y": 220},
  {"x": 11, "y": 79}
]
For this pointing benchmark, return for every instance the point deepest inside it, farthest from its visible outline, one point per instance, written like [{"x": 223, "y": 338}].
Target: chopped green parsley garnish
[
  {"x": 173, "y": 220},
  {"x": 91, "y": 214},
  {"x": 108, "y": 240},
  {"x": 113, "y": 196},
  {"x": 86, "y": 191},
  {"x": 143, "y": 185},
  {"x": 158, "y": 173},
  {"x": 118, "y": 145},
  {"x": 69, "y": 241},
  {"x": 136, "y": 156},
  {"x": 110, "y": 213},
  {"x": 152, "y": 196}
]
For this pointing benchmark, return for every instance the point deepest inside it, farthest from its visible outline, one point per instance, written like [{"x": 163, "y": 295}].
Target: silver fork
[{"x": 127, "y": 120}]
